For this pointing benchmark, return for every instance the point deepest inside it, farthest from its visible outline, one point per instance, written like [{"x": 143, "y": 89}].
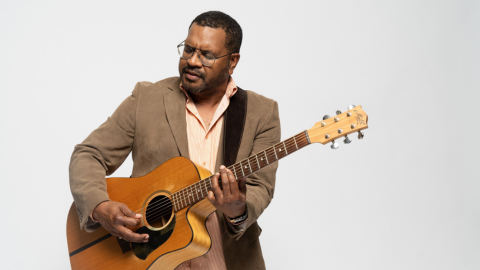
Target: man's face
[{"x": 197, "y": 78}]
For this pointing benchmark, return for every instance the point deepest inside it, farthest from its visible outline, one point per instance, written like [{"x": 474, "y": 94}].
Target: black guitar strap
[{"x": 235, "y": 116}]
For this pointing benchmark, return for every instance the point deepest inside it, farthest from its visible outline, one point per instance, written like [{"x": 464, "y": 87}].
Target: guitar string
[
  {"x": 159, "y": 211},
  {"x": 209, "y": 178},
  {"x": 155, "y": 210},
  {"x": 152, "y": 209},
  {"x": 238, "y": 164}
]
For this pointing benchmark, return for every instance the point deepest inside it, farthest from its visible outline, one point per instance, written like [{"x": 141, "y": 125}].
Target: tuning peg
[
  {"x": 338, "y": 112},
  {"x": 347, "y": 140},
  {"x": 334, "y": 145},
  {"x": 351, "y": 107},
  {"x": 326, "y": 116},
  {"x": 360, "y": 135}
]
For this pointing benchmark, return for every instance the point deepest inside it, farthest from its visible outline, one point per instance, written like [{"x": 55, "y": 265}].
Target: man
[{"x": 188, "y": 117}]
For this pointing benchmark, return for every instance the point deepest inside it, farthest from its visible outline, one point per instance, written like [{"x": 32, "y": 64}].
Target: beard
[{"x": 206, "y": 84}]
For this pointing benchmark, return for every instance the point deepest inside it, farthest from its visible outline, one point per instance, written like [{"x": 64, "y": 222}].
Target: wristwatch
[{"x": 238, "y": 220}]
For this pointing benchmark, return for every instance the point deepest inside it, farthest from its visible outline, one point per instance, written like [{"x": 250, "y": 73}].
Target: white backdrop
[{"x": 405, "y": 197}]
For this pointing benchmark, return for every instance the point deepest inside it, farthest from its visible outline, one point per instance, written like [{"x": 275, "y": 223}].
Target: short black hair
[{"x": 218, "y": 19}]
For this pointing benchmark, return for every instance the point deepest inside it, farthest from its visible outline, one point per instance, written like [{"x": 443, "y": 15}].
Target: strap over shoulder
[{"x": 235, "y": 117}]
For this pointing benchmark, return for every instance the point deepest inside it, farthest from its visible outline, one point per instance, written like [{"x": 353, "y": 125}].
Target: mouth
[{"x": 192, "y": 75}]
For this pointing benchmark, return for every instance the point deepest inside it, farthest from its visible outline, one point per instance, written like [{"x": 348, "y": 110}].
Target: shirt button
[{"x": 204, "y": 163}]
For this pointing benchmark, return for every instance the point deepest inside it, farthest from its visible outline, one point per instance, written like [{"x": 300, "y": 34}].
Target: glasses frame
[{"x": 198, "y": 54}]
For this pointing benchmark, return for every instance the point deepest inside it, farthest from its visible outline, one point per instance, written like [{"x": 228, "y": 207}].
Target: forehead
[{"x": 206, "y": 38}]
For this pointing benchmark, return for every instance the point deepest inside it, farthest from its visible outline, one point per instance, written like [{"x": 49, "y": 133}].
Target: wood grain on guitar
[{"x": 172, "y": 200}]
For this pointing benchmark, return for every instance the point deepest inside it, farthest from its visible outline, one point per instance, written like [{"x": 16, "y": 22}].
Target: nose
[{"x": 194, "y": 61}]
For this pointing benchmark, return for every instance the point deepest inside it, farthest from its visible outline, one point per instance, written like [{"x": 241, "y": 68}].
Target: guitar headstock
[{"x": 332, "y": 128}]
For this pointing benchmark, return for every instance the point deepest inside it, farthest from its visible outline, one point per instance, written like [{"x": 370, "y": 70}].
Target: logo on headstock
[{"x": 360, "y": 120}]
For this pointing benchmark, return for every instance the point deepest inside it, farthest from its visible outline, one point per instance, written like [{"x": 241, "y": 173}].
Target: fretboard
[{"x": 198, "y": 191}]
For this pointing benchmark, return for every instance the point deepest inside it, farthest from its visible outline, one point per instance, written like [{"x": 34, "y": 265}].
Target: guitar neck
[
  {"x": 268, "y": 156},
  {"x": 198, "y": 191},
  {"x": 328, "y": 130}
]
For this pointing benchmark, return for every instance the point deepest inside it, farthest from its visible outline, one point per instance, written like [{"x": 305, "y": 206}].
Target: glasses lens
[
  {"x": 185, "y": 52},
  {"x": 207, "y": 58}
]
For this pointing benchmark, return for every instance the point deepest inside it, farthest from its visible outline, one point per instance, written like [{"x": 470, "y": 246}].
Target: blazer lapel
[{"x": 175, "y": 110}]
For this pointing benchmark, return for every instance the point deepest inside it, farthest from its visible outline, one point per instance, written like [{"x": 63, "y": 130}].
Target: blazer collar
[{"x": 175, "y": 111}]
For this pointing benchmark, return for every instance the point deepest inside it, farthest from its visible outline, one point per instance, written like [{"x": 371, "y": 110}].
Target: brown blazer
[{"x": 151, "y": 124}]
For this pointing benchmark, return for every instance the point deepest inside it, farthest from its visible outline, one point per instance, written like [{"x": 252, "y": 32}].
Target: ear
[{"x": 234, "y": 58}]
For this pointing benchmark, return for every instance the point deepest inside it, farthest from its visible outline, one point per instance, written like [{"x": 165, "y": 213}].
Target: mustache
[{"x": 193, "y": 71}]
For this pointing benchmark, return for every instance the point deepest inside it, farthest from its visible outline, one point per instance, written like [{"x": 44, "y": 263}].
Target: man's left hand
[{"x": 230, "y": 198}]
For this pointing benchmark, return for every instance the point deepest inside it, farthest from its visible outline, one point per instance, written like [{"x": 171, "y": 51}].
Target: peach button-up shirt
[{"x": 203, "y": 144}]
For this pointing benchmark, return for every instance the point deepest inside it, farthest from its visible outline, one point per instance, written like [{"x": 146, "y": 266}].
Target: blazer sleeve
[
  {"x": 260, "y": 185},
  {"x": 99, "y": 155}
]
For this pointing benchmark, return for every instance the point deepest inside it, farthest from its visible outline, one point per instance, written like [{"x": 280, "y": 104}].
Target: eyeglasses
[{"x": 206, "y": 58}]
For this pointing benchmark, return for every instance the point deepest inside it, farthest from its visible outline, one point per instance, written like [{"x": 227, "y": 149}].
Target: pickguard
[{"x": 156, "y": 239}]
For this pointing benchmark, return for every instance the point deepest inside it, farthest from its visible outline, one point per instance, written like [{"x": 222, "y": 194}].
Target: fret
[
  {"x": 258, "y": 163},
  {"x": 199, "y": 189},
  {"x": 177, "y": 196},
  {"x": 188, "y": 196},
  {"x": 206, "y": 190},
  {"x": 295, "y": 142},
  {"x": 266, "y": 158},
  {"x": 275, "y": 152},
  {"x": 241, "y": 167},
  {"x": 208, "y": 184},
  {"x": 180, "y": 199},
  {"x": 178, "y": 202},
  {"x": 185, "y": 197},
  {"x": 234, "y": 172},
  {"x": 252, "y": 164},
  {"x": 248, "y": 160},
  {"x": 174, "y": 204},
  {"x": 286, "y": 152},
  {"x": 192, "y": 192},
  {"x": 196, "y": 191}
]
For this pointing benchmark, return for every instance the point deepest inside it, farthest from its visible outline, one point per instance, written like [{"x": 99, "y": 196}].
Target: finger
[
  {"x": 129, "y": 213},
  {"x": 211, "y": 197},
  {"x": 233, "y": 186},
  {"x": 216, "y": 189},
  {"x": 127, "y": 221},
  {"x": 130, "y": 236},
  {"x": 225, "y": 183}
]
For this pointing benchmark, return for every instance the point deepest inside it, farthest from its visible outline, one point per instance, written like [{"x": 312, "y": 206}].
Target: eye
[
  {"x": 188, "y": 49},
  {"x": 208, "y": 55}
]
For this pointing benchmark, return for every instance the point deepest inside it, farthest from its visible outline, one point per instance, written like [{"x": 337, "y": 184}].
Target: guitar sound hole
[{"x": 159, "y": 211}]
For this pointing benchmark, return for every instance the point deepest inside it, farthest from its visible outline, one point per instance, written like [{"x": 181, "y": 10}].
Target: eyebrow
[{"x": 203, "y": 51}]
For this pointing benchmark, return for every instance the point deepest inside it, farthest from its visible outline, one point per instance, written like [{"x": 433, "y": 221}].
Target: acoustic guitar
[{"x": 172, "y": 200}]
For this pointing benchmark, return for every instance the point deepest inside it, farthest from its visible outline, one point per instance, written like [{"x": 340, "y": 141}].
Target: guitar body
[{"x": 178, "y": 236}]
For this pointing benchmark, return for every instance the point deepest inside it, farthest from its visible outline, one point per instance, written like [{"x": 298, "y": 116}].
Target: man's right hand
[{"x": 114, "y": 216}]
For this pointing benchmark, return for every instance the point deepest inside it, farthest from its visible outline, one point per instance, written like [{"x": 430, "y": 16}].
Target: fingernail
[
  {"x": 138, "y": 215},
  {"x": 222, "y": 167}
]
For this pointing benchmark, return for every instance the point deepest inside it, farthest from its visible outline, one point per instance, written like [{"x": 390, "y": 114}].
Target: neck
[{"x": 208, "y": 99}]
